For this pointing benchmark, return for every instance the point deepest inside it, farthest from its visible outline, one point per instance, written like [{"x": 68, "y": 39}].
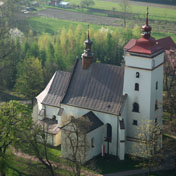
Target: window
[
  {"x": 136, "y": 87},
  {"x": 137, "y": 74},
  {"x": 92, "y": 142},
  {"x": 109, "y": 132},
  {"x": 156, "y": 105},
  {"x": 135, "y": 107},
  {"x": 156, "y": 85},
  {"x": 54, "y": 117},
  {"x": 135, "y": 122},
  {"x": 156, "y": 120}
]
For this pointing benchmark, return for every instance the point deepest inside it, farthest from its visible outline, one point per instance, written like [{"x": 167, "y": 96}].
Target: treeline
[
  {"x": 170, "y": 2},
  {"x": 35, "y": 59}
]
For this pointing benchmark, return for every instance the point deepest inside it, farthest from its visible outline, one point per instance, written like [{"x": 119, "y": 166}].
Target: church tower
[{"x": 143, "y": 82}]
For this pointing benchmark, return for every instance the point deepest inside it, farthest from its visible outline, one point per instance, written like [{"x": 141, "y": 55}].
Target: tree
[
  {"x": 75, "y": 143},
  {"x": 149, "y": 145},
  {"x": 86, "y": 3},
  {"x": 35, "y": 141},
  {"x": 170, "y": 82},
  {"x": 30, "y": 78},
  {"x": 124, "y": 4},
  {"x": 14, "y": 116}
]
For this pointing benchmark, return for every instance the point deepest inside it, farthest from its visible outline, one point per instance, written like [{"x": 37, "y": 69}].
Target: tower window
[
  {"x": 156, "y": 85},
  {"x": 156, "y": 105},
  {"x": 136, "y": 87},
  {"x": 137, "y": 74},
  {"x": 135, "y": 107},
  {"x": 92, "y": 142},
  {"x": 135, "y": 122}
]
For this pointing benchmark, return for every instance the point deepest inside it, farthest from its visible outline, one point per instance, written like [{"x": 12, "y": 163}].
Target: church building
[{"x": 114, "y": 99}]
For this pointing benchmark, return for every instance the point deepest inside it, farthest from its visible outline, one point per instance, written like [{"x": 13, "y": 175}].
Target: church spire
[
  {"x": 146, "y": 29},
  {"x": 87, "y": 56}
]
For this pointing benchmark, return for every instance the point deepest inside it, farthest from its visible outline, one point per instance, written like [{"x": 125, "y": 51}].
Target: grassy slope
[
  {"x": 155, "y": 12},
  {"x": 42, "y": 25}
]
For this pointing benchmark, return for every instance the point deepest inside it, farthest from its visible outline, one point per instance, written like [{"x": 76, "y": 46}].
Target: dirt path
[
  {"x": 81, "y": 17},
  {"x": 61, "y": 166}
]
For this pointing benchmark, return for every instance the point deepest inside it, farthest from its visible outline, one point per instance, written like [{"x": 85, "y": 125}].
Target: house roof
[
  {"x": 100, "y": 88},
  {"x": 149, "y": 46},
  {"x": 50, "y": 125},
  {"x": 88, "y": 122},
  {"x": 167, "y": 43},
  {"x": 56, "y": 88}
]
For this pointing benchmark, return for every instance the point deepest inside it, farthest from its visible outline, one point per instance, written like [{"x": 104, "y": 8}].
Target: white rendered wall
[
  {"x": 105, "y": 118},
  {"x": 147, "y": 94},
  {"x": 97, "y": 134}
]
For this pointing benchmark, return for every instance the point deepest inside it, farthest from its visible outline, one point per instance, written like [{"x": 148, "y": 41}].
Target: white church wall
[
  {"x": 143, "y": 62},
  {"x": 51, "y": 111},
  {"x": 98, "y": 139},
  {"x": 105, "y": 118}
]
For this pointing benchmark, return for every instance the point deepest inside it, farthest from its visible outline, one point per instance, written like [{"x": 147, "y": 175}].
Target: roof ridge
[{"x": 71, "y": 76}]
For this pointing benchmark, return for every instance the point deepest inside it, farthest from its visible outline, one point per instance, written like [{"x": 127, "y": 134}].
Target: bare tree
[
  {"x": 170, "y": 82},
  {"x": 75, "y": 144},
  {"x": 125, "y": 7},
  {"x": 35, "y": 140},
  {"x": 148, "y": 147}
]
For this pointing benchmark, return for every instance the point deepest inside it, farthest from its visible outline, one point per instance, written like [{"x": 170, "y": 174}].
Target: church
[{"x": 114, "y": 99}]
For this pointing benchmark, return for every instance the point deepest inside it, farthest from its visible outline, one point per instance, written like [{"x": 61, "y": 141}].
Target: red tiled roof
[
  {"x": 167, "y": 43},
  {"x": 149, "y": 46},
  {"x": 143, "y": 46}
]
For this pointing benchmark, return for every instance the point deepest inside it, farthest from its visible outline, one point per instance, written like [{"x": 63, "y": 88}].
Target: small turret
[{"x": 87, "y": 56}]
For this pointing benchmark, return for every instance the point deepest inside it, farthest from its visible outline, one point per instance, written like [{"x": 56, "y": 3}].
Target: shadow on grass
[
  {"x": 111, "y": 164},
  {"x": 7, "y": 97}
]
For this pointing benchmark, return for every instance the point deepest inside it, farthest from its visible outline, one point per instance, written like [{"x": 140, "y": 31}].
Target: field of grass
[
  {"x": 155, "y": 12},
  {"x": 53, "y": 26}
]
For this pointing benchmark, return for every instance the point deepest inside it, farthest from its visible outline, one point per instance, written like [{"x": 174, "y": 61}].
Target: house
[{"x": 115, "y": 100}]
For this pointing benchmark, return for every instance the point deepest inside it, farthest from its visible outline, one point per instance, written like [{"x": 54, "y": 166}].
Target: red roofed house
[{"x": 115, "y": 99}]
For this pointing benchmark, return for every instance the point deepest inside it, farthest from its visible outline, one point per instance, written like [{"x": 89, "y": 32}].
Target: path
[
  {"x": 81, "y": 17},
  {"x": 88, "y": 173}
]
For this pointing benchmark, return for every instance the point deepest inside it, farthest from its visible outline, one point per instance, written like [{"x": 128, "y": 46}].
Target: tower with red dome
[{"x": 143, "y": 82}]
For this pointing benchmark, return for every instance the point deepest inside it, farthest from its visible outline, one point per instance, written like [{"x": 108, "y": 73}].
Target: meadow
[
  {"x": 54, "y": 26},
  {"x": 156, "y": 13}
]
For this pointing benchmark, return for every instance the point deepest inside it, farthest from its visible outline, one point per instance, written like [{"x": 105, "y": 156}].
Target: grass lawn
[
  {"x": 111, "y": 164},
  {"x": 53, "y": 26},
  {"x": 155, "y": 12}
]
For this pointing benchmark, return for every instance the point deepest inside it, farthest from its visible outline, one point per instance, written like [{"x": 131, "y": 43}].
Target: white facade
[{"x": 147, "y": 73}]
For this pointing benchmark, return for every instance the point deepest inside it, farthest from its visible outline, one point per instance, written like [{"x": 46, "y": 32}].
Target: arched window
[
  {"x": 109, "y": 132},
  {"x": 135, "y": 107},
  {"x": 136, "y": 87},
  {"x": 156, "y": 85},
  {"x": 156, "y": 105},
  {"x": 137, "y": 74},
  {"x": 92, "y": 142}
]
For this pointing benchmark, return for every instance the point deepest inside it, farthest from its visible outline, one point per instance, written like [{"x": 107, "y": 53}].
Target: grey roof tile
[
  {"x": 57, "y": 89},
  {"x": 100, "y": 88}
]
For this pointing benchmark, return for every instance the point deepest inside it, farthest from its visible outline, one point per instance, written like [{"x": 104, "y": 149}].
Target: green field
[
  {"x": 54, "y": 26},
  {"x": 156, "y": 13}
]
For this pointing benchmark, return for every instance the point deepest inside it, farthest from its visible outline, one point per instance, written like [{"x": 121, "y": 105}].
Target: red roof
[
  {"x": 143, "y": 46},
  {"x": 149, "y": 46},
  {"x": 167, "y": 43}
]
